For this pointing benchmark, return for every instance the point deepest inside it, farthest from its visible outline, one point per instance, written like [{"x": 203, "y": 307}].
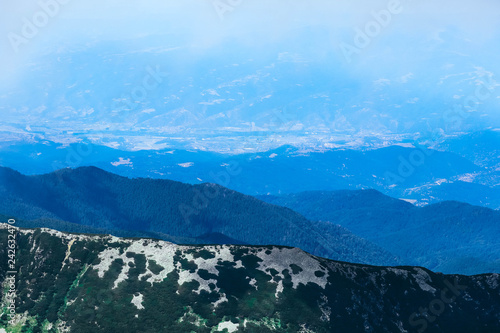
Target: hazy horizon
[{"x": 158, "y": 70}]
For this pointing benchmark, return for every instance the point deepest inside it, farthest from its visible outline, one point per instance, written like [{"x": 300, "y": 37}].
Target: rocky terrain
[{"x": 89, "y": 283}]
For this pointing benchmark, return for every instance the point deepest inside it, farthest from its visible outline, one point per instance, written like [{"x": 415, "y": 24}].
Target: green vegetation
[
  {"x": 449, "y": 237},
  {"x": 100, "y": 284},
  {"x": 88, "y": 199}
]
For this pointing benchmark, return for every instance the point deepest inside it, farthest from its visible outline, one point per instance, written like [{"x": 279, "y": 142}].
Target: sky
[{"x": 373, "y": 67}]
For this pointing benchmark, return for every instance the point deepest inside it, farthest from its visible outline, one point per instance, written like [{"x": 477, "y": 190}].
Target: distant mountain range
[
  {"x": 412, "y": 172},
  {"x": 481, "y": 147},
  {"x": 282, "y": 89},
  {"x": 103, "y": 202},
  {"x": 356, "y": 226},
  {"x": 449, "y": 236},
  {"x": 81, "y": 283}
]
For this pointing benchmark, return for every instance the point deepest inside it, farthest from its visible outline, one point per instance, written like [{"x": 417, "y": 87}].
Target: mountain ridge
[
  {"x": 412, "y": 172},
  {"x": 78, "y": 282},
  {"x": 98, "y": 199},
  {"x": 433, "y": 236}
]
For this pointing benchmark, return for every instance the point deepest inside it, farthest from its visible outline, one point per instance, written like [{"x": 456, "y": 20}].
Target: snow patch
[
  {"x": 279, "y": 289},
  {"x": 422, "y": 278},
  {"x": 412, "y": 201},
  {"x": 281, "y": 259},
  {"x": 231, "y": 327},
  {"x": 137, "y": 301},
  {"x": 160, "y": 251},
  {"x": 107, "y": 257}
]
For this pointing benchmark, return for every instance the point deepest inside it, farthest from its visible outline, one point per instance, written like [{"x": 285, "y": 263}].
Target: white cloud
[
  {"x": 406, "y": 77},
  {"x": 382, "y": 82},
  {"x": 212, "y": 92}
]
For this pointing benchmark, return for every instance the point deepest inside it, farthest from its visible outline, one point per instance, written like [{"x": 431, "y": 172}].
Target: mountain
[
  {"x": 482, "y": 149},
  {"x": 449, "y": 236},
  {"x": 361, "y": 226},
  {"x": 479, "y": 147},
  {"x": 411, "y": 172},
  {"x": 208, "y": 238},
  {"x": 171, "y": 210},
  {"x": 79, "y": 283},
  {"x": 295, "y": 87},
  {"x": 464, "y": 191}
]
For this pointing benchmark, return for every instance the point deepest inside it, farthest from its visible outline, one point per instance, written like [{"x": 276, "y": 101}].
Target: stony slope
[{"x": 83, "y": 283}]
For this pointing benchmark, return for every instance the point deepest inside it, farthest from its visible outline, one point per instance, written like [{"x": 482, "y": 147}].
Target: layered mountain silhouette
[
  {"x": 447, "y": 236},
  {"x": 357, "y": 226},
  {"x": 419, "y": 173},
  {"x": 102, "y": 202}
]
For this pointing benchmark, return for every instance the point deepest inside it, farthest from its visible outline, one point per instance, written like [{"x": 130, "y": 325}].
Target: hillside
[
  {"x": 171, "y": 210},
  {"x": 79, "y": 283},
  {"x": 449, "y": 236}
]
